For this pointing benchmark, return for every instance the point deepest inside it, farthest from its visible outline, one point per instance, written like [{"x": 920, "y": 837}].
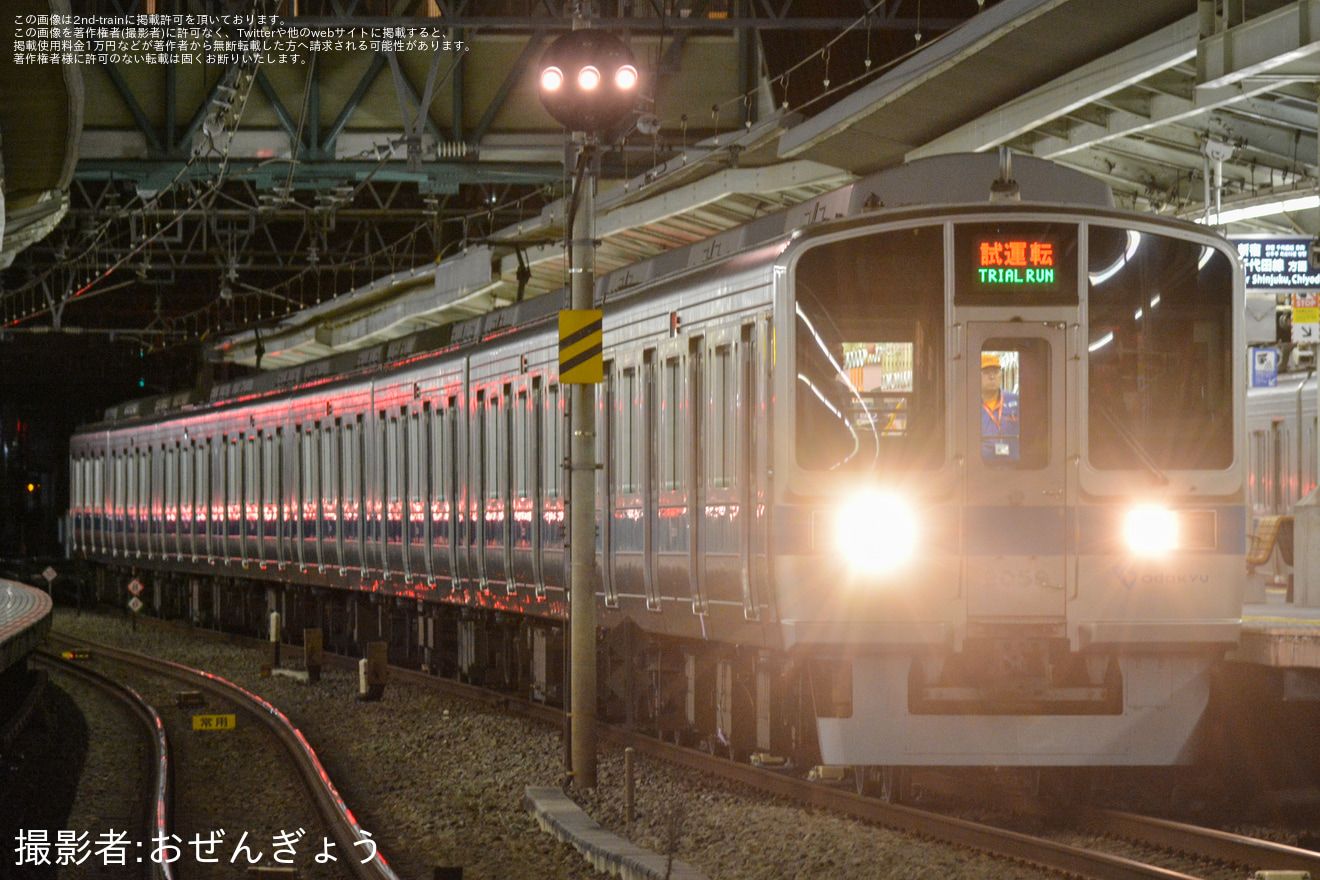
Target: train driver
[{"x": 999, "y": 416}]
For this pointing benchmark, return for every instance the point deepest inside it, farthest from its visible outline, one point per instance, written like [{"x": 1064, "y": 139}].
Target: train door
[{"x": 1015, "y": 528}]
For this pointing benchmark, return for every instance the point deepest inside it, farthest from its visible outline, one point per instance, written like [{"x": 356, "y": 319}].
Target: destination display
[{"x": 1016, "y": 263}]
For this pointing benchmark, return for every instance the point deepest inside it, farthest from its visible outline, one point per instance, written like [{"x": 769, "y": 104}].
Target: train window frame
[
  {"x": 187, "y": 459},
  {"x": 834, "y": 286},
  {"x": 628, "y": 433},
  {"x": 552, "y": 458},
  {"x": 1035, "y": 437},
  {"x": 1159, "y": 317},
  {"x": 204, "y": 474},
  {"x": 671, "y": 433},
  {"x": 418, "y": 490},
  {"x": 132, "y": 487},
  {"x": 171, "y": 486},
  {"x": 721, "y": 442},
  {"x": 521, "y": 473}
]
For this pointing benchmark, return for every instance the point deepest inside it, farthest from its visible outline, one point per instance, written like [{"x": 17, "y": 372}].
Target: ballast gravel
[{"x": 439, "y": 782}]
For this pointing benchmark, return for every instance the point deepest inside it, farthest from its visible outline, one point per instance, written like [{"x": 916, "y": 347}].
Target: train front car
[{"x": 1012, "y": 527}]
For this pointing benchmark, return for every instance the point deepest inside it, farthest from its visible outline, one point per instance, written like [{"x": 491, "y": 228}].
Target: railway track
[
  {"x": 1189, "y": 840},
  {"x": 157, "y": 791},
  {"x": 338, "y": 819},
  {"x": 1194, "y": 842}
]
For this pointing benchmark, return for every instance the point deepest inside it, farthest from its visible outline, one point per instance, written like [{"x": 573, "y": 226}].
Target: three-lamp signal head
[{"x": 588, "y": 80}]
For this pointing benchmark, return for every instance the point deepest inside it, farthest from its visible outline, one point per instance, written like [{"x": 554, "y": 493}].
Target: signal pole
[
  {"x": 588, "y": 82},
  {"x": 582, "y": 486}
]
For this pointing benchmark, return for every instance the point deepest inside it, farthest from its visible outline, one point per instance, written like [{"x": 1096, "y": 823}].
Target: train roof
[{"x": 964, "y": 179}]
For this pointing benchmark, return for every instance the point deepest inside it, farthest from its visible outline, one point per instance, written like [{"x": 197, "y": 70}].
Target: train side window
[
  {"x": 232, "y": 485},
  {"x": 393, "y": 459},
  {"x": 1015, "y": 394},
  {"x": 202, "y": 473},
  {"x": 671, "y": 425},
  {"x": 351, "y": 461},
  {"x": 440, "y": 462},
  {"x": 627, "y": 433},
  {"x": 722, "y": 442},
  {"x": 252, "y": 485},
  {"x": 417, "y": 471},
  {"x": 554, "y": 426},
  {"x": 187, "y": 455},
  {"x": 270, "y": 485},
  {"x": 129, "y": 480},
  {"x": 496, "y": 445},
  {"x": 145, "y": 498},
  {"x": 522, "y": 457},
  {"x": 329, "y": 481},
  {"x": 171, "y": 490}
]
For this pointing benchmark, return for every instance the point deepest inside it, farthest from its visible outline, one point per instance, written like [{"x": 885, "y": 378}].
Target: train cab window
[
  {"x": 1160, "y": 354},
  {"x": 869, "y": 352},
  {"x": 1015, "y": 394}
]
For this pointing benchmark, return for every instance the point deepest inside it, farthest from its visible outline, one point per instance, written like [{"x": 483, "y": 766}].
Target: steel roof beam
[
  {"x": 1133, "y": 63},
  {"x": 1164, "y": 110},
  {"x": 130, "y": 101},
  {"x": 1283, "y": 44}
]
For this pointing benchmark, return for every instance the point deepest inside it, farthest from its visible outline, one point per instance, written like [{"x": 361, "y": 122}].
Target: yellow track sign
[
  {"x": 214, "y": 722},
  {"x": 581, "y": 344}
]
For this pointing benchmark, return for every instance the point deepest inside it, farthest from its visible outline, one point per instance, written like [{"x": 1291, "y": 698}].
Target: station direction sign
[
  {"x": 1285, "y": 266},
  {"x": 1275, "y": 263}
]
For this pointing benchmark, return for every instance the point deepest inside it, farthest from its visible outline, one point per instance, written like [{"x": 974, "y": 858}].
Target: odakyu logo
[{"x": 1131, "y": 577}]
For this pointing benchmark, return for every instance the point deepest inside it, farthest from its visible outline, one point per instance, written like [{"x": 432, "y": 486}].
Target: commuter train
[
  {"x": 1281, "y": 456},
  {"x": 941, "y": 468},
  {"x": 1281, "y": 443}
]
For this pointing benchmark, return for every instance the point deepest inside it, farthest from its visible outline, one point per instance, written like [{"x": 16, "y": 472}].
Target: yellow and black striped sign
[{"x": 580, "y": 346}]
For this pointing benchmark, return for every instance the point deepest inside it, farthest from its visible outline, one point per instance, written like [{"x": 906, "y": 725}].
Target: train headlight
[
  {"x": 1151, "y": 531},
  {"x": 876, "y": 532}
]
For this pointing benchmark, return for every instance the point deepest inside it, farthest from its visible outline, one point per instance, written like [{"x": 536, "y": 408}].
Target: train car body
[
  {"x": 1281, "y": 444},
  {"x": 951, "y": 481}
]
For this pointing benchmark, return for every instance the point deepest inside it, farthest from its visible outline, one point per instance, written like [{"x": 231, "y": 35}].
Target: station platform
[
  {"x": 1279, "y": 634},
  {"x": 24, "y": 621}
]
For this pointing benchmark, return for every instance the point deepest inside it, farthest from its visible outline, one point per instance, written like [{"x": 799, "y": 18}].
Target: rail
[
  {"x": 161, "y": 802},
  {"x": 340, "y": 819}
]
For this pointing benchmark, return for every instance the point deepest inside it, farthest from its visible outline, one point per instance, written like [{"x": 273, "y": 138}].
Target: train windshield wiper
[{"x": 1134, "y": 444}]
